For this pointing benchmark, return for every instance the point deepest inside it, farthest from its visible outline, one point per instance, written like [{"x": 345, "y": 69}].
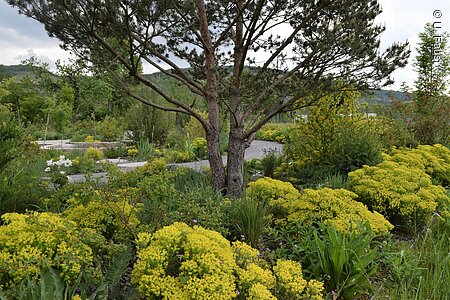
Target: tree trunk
[
  {"x": 235, "y": 161},
  {"x": 215, "y": 161}
]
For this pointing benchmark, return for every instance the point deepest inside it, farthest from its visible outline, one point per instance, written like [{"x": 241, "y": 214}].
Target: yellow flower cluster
[
  {"x": 93, "y": 153},
  {"x": 132, "y": 152},
  {"x": 155, "y": 166},
  {"x": 34, "y": 241},
  {"x": 273, "y": 132},
  {"x": 434, "y": 160},
  {"x": 336, "y": 207},
  {"x": 180, "y": 262},
  {"x": 399, "y": 191},
  {"x": 291, "y": 283},
  {"x": 267, "y": 188},
  {"x": 115, "y": 219}
]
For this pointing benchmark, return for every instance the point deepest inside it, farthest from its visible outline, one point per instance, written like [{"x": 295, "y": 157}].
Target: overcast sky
[{"x": 21, "y": 37}]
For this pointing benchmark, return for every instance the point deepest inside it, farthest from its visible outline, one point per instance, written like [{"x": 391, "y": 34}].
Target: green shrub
[
  {"x": 180, "y": 262},
  {"x": 355, "y": 147},
  {"x": 273, "y": 132},
  {"x": 110, "y": 129},
  {"x": 149, "y": 123},
  {"x": 158, "y": 196},
  {"x": 21, "y": 184},
  {"x": 404, "y": 194},
  {"x": 115, "y": 152},
  {"x": 11, "y": 140},
  {"x": 335, "y": 207},
  {"x": 33, "y": 242},
  {"x": 335, "y": 138},
  {"x": 200, "y": 148},
  {"x": 163, "y": 204},
  {"x": 270, "y": 162}
]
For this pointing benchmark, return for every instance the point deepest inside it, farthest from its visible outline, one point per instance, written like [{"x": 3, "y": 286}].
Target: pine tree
[{"x": 307, "y": 45}]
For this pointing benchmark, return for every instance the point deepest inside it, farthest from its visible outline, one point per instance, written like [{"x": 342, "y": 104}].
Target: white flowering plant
[{"x": 58, "y": 169}]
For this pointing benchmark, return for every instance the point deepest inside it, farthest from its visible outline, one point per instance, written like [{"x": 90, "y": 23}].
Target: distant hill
[
  {"x": 18, "y": 71},
  {"x": 383, "y": 97},
  {"x": 376, "y": 97}
]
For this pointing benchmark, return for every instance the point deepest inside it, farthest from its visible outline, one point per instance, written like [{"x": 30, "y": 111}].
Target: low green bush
[
  {"x": 178, "y": 156},
  {"x": 109, "y": 213},
  {"x": 164, "y": 201},
  {"x": 110, "y": 129}
]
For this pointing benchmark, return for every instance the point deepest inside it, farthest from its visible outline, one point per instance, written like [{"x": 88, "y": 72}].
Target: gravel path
[{"x": 257, "y": 149}]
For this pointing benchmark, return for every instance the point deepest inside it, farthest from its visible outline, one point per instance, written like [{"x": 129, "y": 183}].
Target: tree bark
[
  {"x": 235, "y": 178},
  {"x": 212, "y": 100},
  {"x": 215, "y": 162},
  {"x": 235, "y": 161}
]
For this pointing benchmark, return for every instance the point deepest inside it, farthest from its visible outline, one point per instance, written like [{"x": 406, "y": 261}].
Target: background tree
[
  {"x": 93, "y": 90},
  {"x": 323, "y": 41},
  {"x": 430, "y": 98}
]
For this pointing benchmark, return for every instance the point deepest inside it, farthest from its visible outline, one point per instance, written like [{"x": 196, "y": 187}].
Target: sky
[{"x": 22, "y": 37}]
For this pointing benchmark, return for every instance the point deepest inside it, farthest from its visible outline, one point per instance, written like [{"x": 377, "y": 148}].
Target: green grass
[{"x": 419, "y": 268}]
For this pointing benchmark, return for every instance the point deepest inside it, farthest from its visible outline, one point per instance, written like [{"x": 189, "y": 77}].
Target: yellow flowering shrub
[
  {"x": 89, "y": 139},
  {"x": 200, "y": 148},
  {"x": 109, "y": 214},
  {"x": 30, "y": 242},
  {"x": 291, "y": 284},
  {"x": 434, "y": 160},
  {"x": 93, "y": 153},
  {"x": 180, "y": 262},
  {"x": 273, "y": 132},
  {"x": 132, "y": 152},
  {"x": 267, "y": 188},
  {"x": 336, "y": 207},
  {"x": 401, "y": 192},
  {"x": 155, "y": 166}
]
